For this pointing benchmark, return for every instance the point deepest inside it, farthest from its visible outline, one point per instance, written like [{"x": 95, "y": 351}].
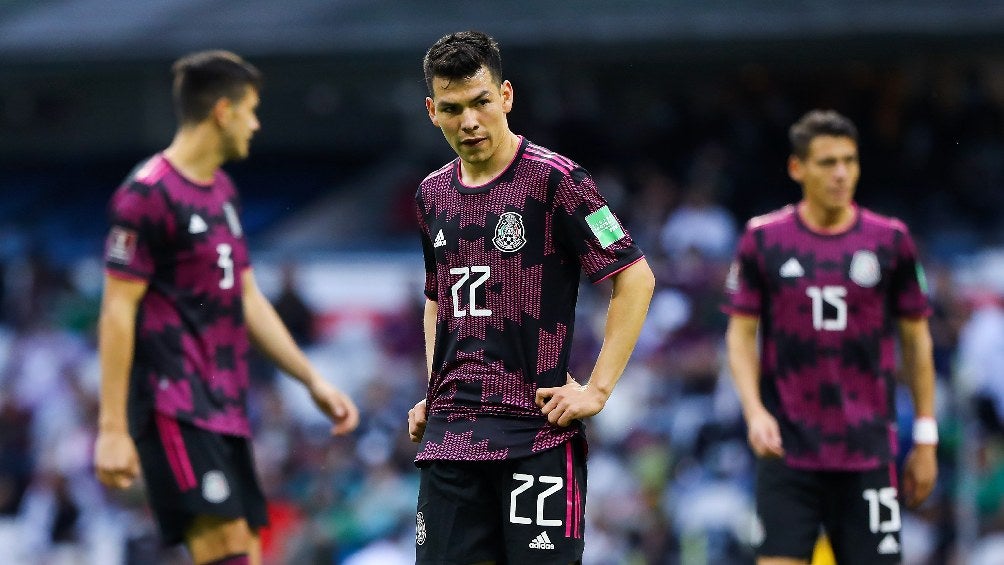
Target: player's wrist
[
  {"x": 925, "y": 431},
  {"x": 112, "y": 427}
]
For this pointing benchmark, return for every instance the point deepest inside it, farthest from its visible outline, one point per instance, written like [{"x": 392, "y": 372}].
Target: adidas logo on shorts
[{"x": 541, "y": 542}]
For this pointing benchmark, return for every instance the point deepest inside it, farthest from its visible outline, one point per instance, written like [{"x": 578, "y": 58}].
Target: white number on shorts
[
  {"x": 226, "y": 263},
  {"x": 833, "y": 296},
  {"x": 472, "y": 307},
  {"x": 528, "y": 480},
  {"x": 877, "y": 498}
]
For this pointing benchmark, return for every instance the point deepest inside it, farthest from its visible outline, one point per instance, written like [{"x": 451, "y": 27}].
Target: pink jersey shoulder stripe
[
  {"x": 547, "y": 161},
  {"x": 885, "y": 221},
  {"x": 153, "y": 170},
  {"x": 774, "y": 217},
  {"x": 559, "y": 161},
  {"x": 445, "y": 168}
]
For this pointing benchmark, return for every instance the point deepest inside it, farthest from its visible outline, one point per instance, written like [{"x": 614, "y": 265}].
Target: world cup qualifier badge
[
  {"x": 510, "y": 235},
  {"x": 865, "y": 269}
]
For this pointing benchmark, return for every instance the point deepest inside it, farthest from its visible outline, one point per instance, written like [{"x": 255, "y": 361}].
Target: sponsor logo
[
  {"x": 605, "y": 226},
  {"x": 440, "y": 240},
  {"x": 510, "y": 235},
  {"x": 791, "y": 269},
  {"x": 121, "y": 245},
  {"x": 888, "y": 545},
  {"x": 420, "y": 534},
  {"x": 197, "y": 225},
  {"x": 865, "y": 270},
  {"x": 214, "y": 487},
  {"x": 541, "y": 542}
]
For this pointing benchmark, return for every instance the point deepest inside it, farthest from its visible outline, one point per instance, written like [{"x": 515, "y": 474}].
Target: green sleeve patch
[
  {"x": 605, "y": 226},
  {"x": 922, "y": 279}
]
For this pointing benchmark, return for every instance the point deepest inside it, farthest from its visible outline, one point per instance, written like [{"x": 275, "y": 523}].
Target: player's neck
[
  {"x": 195, "y": 154},
  {"x": 477, "y": 174},
  {"x": 827, "y": 220}
]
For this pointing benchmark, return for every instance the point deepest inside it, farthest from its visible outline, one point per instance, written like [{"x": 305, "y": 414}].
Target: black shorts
[
  {"x": 860, "y": 511},
  {"x": 190, "y": 472},
  {"x": 527, "y": 510}
]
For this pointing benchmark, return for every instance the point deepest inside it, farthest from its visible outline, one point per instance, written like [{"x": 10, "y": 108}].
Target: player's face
[
  {"x": 829, "y": 173},
  {"x": 471, "y": 113},
  {"x": 239, "y": 125}
]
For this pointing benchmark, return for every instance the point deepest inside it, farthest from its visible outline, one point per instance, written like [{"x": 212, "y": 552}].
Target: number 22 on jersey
[{"x": 472, "y": 278}]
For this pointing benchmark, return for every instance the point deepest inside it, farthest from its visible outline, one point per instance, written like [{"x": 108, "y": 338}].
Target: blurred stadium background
[{"x": 680, "y": 111}]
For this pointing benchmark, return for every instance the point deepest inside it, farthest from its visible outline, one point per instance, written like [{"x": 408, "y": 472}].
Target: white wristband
[{"x": 925, "y": 431}]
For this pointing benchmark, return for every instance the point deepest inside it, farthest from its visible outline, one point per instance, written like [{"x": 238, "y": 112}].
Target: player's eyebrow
[{"x": 444, "y": 104}]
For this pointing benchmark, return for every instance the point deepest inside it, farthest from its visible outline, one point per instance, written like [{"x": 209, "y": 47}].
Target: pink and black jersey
[
  {"x": 185, "y": 240},
  {"x": 828, "y": 305},
  {"x": 503, "y": 262}
]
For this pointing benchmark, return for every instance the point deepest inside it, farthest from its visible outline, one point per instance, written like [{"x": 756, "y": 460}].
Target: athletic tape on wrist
[{"x": 925, "y": 431}]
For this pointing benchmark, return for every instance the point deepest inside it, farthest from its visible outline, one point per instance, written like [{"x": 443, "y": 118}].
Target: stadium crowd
[{"x": 670, "y": 473}]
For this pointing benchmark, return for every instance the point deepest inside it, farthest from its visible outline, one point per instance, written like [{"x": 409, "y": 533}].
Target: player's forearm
[
  {"x": 918, "y": 366},
  {"x": 269, "y": 335},
  {"x": 744, "y": 362},
  {"x": 429, "y": 328},
  {"x": 632, "y": 293},
  {"x": 116, "y": 342}
]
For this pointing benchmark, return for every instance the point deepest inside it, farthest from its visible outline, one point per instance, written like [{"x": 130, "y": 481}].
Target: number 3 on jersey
[
  {"x": 471, "y": 307},
  {"x": 225, "y": 262}
]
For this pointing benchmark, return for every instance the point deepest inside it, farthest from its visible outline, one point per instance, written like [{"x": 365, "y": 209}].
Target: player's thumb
[{"x": 543, "y": 395}]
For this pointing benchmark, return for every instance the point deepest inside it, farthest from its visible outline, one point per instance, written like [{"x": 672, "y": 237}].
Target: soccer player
[
  {"x": 507, "y": 227},
  {"x": 179, "y": 312},
  {"x": 828, "y": 284}
]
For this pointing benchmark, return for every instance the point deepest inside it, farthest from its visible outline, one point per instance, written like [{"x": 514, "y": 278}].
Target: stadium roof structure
[{"x": 88, "y": 30}]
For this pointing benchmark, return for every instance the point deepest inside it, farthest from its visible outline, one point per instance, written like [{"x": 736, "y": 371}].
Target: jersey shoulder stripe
[
  {"x": 444, "y": 170},
  {"x": 537, "y": 153},
  {"x": 777, "y": 216},
  {"x": 887, "y": 222},
  {"x": 153, "y": 171}
]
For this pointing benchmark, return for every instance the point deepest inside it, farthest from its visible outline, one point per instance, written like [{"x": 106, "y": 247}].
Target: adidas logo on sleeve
[{"x": 541, "y": 542}]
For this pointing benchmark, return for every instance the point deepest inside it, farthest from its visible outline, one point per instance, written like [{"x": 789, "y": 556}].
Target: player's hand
[
  {"x": 416, "y": 421},
  {"x": 336, "y": 405},
  {"x": 764, "y": 434},
  {"x": 920, "y": 472},
  {"x": 569, "y": 402},
  {"x": 116, "y": 463}
]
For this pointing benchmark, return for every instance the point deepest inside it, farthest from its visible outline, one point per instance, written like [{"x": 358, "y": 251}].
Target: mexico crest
[
  {"x": 509, "y": 233},
  {"x": 865, "y": 268}
]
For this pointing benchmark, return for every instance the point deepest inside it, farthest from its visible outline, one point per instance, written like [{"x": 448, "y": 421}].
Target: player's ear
[
  {"x": 795, "y": 170},
  {"x": 222, "y": 110},
  {"x": 507, "y": 96},
  {"x": 430, "y": 107}
]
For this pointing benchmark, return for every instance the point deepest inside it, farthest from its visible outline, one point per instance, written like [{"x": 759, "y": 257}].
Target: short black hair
[
  {"x": 202, "y": 78},
  {"x": 460, "y": 55},
  {"x": 816, "y": 123}
]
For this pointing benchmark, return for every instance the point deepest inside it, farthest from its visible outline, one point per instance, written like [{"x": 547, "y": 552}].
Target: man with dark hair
[
  {"x": 507, "y": 228},
  {"x": 827, "y": 284},
  {"x": 179, "y": 313}
]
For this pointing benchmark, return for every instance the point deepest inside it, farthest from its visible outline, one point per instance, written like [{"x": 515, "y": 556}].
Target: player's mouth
[{"x": 473, "y": 141}]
